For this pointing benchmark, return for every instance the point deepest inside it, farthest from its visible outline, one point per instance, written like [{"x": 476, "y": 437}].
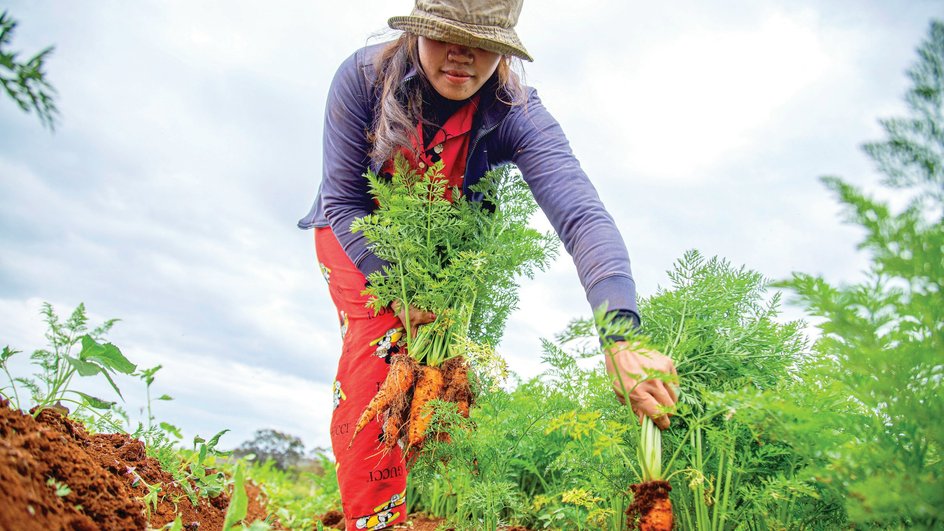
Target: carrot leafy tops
[{"x": 456, "y": 259}]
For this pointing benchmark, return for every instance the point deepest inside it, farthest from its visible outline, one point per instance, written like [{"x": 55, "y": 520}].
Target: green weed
[{"x": 60, "y": 363}]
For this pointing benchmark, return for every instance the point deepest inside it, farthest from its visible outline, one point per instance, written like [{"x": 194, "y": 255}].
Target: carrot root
[
  {"x": 651, "y": 509},
  {"x": 399, "y": 380},
  {"x": 659, "y": 517},
  {"x": 457, "y": 385},
  {"x": 429, "y": 386}
]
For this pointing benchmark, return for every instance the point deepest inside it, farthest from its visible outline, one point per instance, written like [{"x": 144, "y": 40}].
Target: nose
[{"x": 459, "y": 54}]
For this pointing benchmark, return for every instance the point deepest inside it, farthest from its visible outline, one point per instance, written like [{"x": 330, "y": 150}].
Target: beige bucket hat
[{"x": 485, "y": 24}]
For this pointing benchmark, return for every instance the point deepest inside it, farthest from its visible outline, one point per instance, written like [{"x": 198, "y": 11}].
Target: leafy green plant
[
  {"x": 62, "y": 490},
  {"x": 871, "y": 433},
  {"x": 147, "y": 376},
  {"x": 458, "y": 259},
  {"x": 153, "y": 496},
  {"x": 514, "y": 444},
  {"x": 5, "y": 355},
  {"x": 25, "y": 82},
  {"x": 59, "y": 364},
  {"x": 194, "y": 474},
  {"x": 564, "y": 433},
  {"x": 238, "y": 502}
]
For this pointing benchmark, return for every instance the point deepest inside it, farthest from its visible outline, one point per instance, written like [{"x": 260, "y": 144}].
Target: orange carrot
[
  {"x": 651, "y": 509},
  {"x": 398, "y": 382},
  {"x": 659, "y": 517},
  {"x": 391, "y": 432},
  {"x": 457, "y": 385},
  {"x": 396, "y": 419},
  {"x": 463, "y": 408},
  {"x": 429, "y": 386}
]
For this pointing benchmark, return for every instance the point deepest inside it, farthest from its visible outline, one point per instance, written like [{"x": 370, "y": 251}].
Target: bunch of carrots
[
  {"x": 457, "y": 259},
  {"x": 405, "y": 395}
]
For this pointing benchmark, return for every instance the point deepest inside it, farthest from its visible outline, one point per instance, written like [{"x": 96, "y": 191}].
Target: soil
[
  {"x": 422, "y": 522},
  {"x": 105, "y": 476},
  {"x": 645, "y": 497},
  {"x": 332, "y": 520}
]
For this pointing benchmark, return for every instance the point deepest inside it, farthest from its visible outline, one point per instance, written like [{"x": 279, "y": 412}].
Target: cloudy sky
[{"x": 189, "y": 145}]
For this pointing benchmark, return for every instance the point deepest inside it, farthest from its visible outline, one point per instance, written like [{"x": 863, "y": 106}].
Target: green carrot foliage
[
  {"x": 459, "y": 259},
  {"x": 864, "y": 415}
]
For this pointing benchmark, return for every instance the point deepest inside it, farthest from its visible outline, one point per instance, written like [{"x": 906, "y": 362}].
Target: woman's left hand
[
  {"x": 626, "y": 363},
  {"x": 417, "y": 316}
]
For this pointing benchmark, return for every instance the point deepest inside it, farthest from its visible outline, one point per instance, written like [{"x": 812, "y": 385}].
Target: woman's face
[{"x": 455, "y": 71}]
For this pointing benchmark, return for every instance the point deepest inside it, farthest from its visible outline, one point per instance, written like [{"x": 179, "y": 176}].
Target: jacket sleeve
[
  {"x": 344, "y": 190},
  {"x": 571, "y": 203}
]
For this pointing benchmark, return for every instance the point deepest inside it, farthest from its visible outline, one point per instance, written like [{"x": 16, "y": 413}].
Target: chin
[
  {"x": 453, "y": 92},
  {"x": 456, "y": 96}
]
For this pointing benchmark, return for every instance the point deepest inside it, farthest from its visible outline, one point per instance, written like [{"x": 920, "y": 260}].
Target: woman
[{"x": 445, "y": 91}]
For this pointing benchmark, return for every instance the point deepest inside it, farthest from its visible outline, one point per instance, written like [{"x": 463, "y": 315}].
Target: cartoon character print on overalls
[
  {"x": 344, "y": 324},
  {"x": 325, "y": 272},
  {"x": 388, "y": 344},
  {"x": 383, "y": 513},
  {"x": 338, "y": 394},
  {"x": 434, "y": 154}
]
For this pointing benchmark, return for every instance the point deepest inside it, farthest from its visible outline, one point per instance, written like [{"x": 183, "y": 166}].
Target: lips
[{"x": 457, "y": 76}]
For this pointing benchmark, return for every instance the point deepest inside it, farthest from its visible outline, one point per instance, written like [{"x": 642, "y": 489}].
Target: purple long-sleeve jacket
[{"x": 525, "y": 135}]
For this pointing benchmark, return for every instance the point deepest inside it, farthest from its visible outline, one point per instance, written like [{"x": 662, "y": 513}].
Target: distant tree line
[{"x": 284, "y": 450}]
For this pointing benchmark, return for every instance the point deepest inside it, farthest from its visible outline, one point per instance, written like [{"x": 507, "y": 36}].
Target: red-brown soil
[
  {"x": 651, "y": 509},
  {"x": 332, "y": 520},
  {"x": 101, "y": 471}
]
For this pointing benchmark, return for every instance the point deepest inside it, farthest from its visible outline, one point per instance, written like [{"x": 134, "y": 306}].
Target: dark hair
[{"x": 398, "y": 111}]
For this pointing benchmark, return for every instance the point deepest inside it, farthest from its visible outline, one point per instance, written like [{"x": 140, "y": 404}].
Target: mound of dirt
[{"x": 54, "y": 475}]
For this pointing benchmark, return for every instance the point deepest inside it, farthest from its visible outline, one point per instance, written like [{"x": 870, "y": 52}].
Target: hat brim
[{"x": 502, "y": 41}]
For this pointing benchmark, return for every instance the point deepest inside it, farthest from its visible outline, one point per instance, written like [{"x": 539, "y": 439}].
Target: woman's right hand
[
  {"x": 627, "y": 363},
  {"x": 417, "y": 316}
]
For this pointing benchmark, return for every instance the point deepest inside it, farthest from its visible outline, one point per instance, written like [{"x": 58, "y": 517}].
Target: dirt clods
[{"x": 55, "y": 475}]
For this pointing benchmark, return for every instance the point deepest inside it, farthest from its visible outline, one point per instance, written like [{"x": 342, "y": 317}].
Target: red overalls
[{"x": 373, "y": 484}]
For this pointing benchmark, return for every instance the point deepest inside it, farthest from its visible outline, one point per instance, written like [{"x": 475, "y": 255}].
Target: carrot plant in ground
[
  {"x": 458, "y": 259},
  {"x": 558, "y": 452},
  {"x": 490, "y": 476},
  {"x": 865, "y": 414},
  {"x": 720, "y": 326}
]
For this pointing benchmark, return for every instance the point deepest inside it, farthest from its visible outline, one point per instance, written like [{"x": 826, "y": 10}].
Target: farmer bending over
[{"x": 445, "y": 91}]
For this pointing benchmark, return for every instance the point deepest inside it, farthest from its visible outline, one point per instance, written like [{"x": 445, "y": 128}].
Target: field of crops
[{"x": 773, "y": 429}]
